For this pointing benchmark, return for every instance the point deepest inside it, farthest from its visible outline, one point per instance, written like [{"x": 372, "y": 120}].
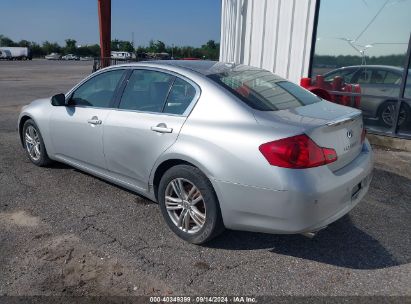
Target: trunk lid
[{"x": 329, "y": 125}]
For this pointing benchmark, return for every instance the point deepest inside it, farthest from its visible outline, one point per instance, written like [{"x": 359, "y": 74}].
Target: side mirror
[{"x": 58, "y": 100}]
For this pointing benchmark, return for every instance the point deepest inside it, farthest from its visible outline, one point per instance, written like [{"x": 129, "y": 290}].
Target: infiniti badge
[{"x": 349, "y": 133}]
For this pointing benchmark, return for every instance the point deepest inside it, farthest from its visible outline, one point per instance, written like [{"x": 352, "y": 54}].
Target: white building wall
[{"x": 275, "y": 35}]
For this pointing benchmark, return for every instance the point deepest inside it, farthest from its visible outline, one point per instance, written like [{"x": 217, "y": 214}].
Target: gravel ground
[{"x": 64, "y": 232}]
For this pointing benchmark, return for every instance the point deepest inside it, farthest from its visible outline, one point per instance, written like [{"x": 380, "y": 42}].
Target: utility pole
[{"x": 104, "y": 17}]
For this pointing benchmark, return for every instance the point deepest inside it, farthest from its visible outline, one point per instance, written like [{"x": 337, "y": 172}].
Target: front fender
[{"x": 39, "y": 111}]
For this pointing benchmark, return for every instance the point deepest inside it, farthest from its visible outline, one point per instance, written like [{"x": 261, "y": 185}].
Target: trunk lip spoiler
[{"x": 345, "y": 119}]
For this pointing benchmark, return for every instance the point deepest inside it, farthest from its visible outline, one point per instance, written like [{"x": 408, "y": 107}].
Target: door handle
[
  {"x": 94, "y": 121},
  {"x": 162, "y": 128}
]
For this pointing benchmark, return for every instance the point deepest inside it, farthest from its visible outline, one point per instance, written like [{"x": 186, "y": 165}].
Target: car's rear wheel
[
  {"x": 34, "y": 144},
  {"x": 387, "y": 114},
  {"x": 189, "y": 205}
]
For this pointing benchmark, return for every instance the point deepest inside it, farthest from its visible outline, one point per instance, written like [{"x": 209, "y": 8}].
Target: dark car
[{"x": 381, "y": 81}]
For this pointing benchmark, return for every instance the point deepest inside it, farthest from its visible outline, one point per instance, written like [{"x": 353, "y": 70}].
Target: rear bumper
[{"x": 313, "y": 199}]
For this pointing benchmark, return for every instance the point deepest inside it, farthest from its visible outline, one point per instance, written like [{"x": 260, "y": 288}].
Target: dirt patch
[
  {"x": 19, "y": 218},
  {"x": 65, "y": 265}
]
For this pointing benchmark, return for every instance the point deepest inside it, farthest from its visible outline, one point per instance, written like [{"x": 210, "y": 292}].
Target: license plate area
[{"x": 356, "y": 191}]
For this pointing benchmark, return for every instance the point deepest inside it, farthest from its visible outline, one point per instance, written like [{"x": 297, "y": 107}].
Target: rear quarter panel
[{"x": 222, "y": 138}]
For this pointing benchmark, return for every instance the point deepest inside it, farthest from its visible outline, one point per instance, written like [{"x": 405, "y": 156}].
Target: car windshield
[{"x": 262, "y": 90}]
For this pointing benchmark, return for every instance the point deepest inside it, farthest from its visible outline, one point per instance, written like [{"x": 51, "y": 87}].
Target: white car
[
  {"x": 121, "y": 55},
  {"x": 70, "y": 57},
  {"x": 53, "y": 56}
]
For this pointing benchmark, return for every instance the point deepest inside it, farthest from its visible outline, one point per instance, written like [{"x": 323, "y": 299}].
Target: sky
[
  {"x": 393, "y": 24},
  {"x": 178, "y": 22},
  {"x": 193, "y": 22}
]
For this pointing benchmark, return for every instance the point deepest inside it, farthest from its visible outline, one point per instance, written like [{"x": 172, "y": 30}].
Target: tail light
[
  {"x": 363, "y": 135},
  {"x": 297, "y": 152}
]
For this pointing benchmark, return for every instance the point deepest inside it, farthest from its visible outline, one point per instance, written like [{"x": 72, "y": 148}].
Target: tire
[
  {"x": 386, "y": 114},
  {"x": 35, "y": 149},
  {"x": 201, "y": 207}
]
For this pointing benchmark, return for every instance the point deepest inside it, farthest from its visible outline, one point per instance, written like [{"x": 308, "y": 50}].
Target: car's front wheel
[
  {"x": 34, "y": 144},
  {"x": 189, "y": 204}
]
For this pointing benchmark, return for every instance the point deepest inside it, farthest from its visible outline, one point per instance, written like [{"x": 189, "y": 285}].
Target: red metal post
[{"x": 104, "y": 18}]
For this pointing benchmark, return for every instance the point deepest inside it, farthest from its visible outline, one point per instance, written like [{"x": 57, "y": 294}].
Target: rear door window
[
  {"x": 146, "y": 90},
  {"x": 181, "y": 95}
]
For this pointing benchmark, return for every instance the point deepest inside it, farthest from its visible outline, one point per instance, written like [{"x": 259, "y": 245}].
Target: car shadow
[
  {"x": 382, "y": 241},
  {"x": 341, "y": 244}
]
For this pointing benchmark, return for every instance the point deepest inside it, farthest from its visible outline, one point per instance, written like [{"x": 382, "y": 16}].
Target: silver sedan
[{"x": 217, "y": 145}]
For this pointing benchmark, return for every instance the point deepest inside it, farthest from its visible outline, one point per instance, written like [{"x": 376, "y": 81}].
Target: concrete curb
[{"x": 390, "y": 142}]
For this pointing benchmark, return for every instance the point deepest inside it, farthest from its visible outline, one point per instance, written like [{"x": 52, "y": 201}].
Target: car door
[
  {"x": 150, "y": 114},
  {"x": 386, "y": 85},
  {"x": 391, "y": 87},
  {"x": 363, "y": 78},
  {"x": 77, "y": 129}
]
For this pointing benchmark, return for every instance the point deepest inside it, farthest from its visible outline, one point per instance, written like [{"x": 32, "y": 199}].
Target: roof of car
[
  {"x": 376, "y": 66},
  {"x": 204, "y": 67}
]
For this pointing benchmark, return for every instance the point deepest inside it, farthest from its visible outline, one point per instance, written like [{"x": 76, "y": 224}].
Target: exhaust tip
[
  {"x": 312, "y": 234},
  {"x": 309, "y": 235}
]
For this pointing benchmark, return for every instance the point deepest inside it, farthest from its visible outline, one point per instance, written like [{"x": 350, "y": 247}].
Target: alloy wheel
[
  {"x": 388, "y": 115},
  {"x": 185, "y": 205},
  {"x": 32, "y": 140}
]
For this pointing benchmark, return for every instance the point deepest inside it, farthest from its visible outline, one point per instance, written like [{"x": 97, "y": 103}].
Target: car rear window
[{"x": 262, "y": 90}]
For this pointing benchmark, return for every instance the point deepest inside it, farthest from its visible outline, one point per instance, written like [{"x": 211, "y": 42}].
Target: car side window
[
  {"x": 346, "y": 75},
  {"x": 378, "y": 76},
  {"x": 364, "y": 77},
  {"x": 392, "y": 78},
  {"x": 181, "y": 95},
  {"x": 146, "y": 90},
  {"x": 97, "y": 91}
]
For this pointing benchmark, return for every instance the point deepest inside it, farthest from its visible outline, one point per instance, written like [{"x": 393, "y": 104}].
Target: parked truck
[
  {"x": 5, "y": 55},
  {"x": 17, "y": 53}
]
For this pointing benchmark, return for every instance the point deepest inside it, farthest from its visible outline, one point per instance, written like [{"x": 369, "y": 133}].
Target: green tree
[
  {"x": 210, "y": 45},
  {"x": 210, "y": 50},
  {"x": 156, "y": 46},
  {"x": 36, "y": 50},
  {"x": 94, "y": 50},
  {"x": 6, "y": 41},
  {"x": 126, "y": 46},
  {"x": 49, "y": 47},
  {"x": 160, "y": 46},
  {"x": 115, "y": 45},
  {"x": 121, "y": 46},
  {"x": 89, "y": 50},
  {"x": 70, "y": 47},
  {"x": 24, "y": 43}
]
